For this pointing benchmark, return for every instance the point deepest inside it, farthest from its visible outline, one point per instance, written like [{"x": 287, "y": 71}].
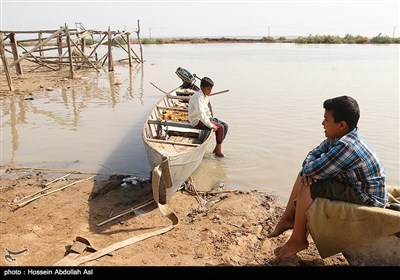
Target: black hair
[
  {"x": 343, "y": 108},
  {"x": 206, "y": 82}
]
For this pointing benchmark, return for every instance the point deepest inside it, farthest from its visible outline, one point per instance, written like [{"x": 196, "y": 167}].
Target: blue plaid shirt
[{"x": 351, "y": 160}]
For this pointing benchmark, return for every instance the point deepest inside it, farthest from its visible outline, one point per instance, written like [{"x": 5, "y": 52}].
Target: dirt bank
[{"x": 227, "y": 228}]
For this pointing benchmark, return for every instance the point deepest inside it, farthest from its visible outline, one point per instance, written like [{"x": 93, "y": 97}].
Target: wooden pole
[
  {"x": 219, "y": 92},
  {"x": 83, "y": 45},
  {"x": 40, "y": 40},
  {"x": 59, "y": 46},
  {"x": 140, "y": 205},
  {"x": 3, "y": 58},
  {"x": 129, "y": 49},
  {"x": 14, "y": 48},
  {"x": 71, "y": 66},
  {"x": 110, "y": 58},
  {"x": 140, "y": 43}
]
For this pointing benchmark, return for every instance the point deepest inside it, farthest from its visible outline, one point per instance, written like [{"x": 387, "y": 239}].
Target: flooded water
[{"x": 273, "y": 108}]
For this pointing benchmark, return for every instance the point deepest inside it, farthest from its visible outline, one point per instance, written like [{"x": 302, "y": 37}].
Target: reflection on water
[
  {"x": 73, "y": 128},
  {"x": 274, "y": 111}
]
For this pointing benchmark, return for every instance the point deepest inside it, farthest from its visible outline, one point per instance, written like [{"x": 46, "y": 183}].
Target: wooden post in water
[
  {"x": 3, "y": 58},
  {"x": 140, "y": 43},
  {"x": 14, "y": 49},
  {"x": 129, "y": 49},
  {"x": 71, "y": 66},
  {"x": 110, "y": 57}
]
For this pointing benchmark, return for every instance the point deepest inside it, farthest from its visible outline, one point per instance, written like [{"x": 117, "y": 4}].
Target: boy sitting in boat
[
  {"x": 200, "y": 115},
  {"x": 343, "y": 167}
]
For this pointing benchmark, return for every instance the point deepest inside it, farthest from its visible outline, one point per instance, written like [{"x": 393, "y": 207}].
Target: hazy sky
[{"x": 209, "y": 18}]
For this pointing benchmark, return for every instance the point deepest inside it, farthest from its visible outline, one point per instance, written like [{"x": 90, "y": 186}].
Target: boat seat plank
[
  {"x": 173, "y": 108},
  {"x": 185, "y": 91},
  {"x": 173, "y": 142},
  {"x": 182, "y": 139},
  {"x": 172, "y": 123},
  {"x": 183, "y": 98}
]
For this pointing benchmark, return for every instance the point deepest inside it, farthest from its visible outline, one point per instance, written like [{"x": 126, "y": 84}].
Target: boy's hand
[{"x": 307, "y": 180}]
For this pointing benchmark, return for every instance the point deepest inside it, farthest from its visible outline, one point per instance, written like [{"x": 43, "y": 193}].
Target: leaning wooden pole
[
  {"x": 140, "y": 43},
  {"x": 71, "y": 66},
  {"x": 84, "y": 56},
  {"x": 3, "y": 58},
  {"x": 14, "y": 49}
]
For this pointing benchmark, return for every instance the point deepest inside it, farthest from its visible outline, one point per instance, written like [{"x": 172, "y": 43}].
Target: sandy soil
[{"x": 227, "y": 228}]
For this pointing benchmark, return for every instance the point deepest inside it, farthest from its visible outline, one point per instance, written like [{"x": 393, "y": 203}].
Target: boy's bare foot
[
  {"x": 219, "y": 155},
  {"x": 281, "y": 227},
  {"x": 291, "y": 248}
]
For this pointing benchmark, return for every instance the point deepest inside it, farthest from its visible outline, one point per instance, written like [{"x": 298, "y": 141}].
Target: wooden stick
[
  {"x": 65, "y": 171},
  {"x": 56, "y": 190},
  {"x": 188, "y": 97},
  {"x": 84, "y": 56},
  {"x": 44, "y": 189},
  {"x": 71, "y": 66},
  {"x": 219, "y": 191},
  {"x": 5, "y": 64},
  {"x": 141, "y": 205},
  {"x": 14, "y": 49},
  {"x": 57, "y": 179},
  {"x": 219, "y": 92},
  {"x": 158, "y": 88},
  {"x": 164, "y": 90}
]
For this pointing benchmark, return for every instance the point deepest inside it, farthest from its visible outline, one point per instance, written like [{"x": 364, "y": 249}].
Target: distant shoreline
[{"x": 311, "y": 39}]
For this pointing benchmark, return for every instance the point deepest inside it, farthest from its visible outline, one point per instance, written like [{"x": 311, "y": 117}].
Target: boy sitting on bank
[{"x": 343, "y": 167}]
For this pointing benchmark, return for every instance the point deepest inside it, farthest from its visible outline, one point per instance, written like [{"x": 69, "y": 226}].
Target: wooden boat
[{"x": 174, "y": 148}]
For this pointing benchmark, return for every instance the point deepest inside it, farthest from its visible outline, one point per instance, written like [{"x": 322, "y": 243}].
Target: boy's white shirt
[{"x": 199, "y": 110}]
